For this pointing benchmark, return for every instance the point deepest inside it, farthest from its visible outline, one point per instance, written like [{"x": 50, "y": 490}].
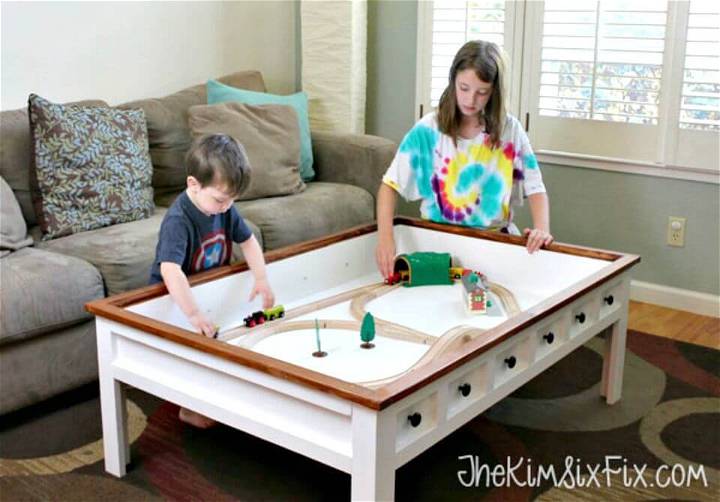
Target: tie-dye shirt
[{"x": 472, "y": 184}]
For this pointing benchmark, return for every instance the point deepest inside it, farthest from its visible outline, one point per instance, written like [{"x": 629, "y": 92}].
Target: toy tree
[{"x": 367, "y": 331}]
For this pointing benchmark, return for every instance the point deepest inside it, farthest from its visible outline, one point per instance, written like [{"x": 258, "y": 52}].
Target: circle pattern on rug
[
  {"x": 644, "y": 385},
  {"x": 78, "y": 457},
  {"x": 664, "y": 414}
]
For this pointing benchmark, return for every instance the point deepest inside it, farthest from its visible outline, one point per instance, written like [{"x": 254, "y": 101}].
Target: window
[
  {"x": 696, "y": 142},
  {"x": 700, "y": 105},
  {"x": 453, "y": 24},
  {"x": 632, "y": 83},
  {"x": 609, "y": 59},
  {"x": 446, "y": 25},
  {"x": 602, "y": 61}
]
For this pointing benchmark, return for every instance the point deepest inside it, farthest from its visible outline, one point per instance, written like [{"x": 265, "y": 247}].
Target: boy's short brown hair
[{"x": 219, "y": 159}]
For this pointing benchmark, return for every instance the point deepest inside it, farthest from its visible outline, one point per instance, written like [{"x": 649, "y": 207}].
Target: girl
[{"x": 469, "y": 162}]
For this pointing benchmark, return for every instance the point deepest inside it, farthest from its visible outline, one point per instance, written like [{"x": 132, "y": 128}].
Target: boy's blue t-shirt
[{"x": 196, "y": 241}]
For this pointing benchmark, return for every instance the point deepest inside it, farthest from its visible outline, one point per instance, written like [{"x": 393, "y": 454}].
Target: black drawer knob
[
  {"x": 609, "y": 299},
  {"x": 511, "y": 362},
  {"x": 549, "y": 338},
  {"x": 465, "y": 389},
  {"x": 580, "y": 317},
  {"x": 415, "y": 419}
]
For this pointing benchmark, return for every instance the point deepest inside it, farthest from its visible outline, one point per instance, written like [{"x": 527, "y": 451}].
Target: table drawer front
[
  {"x": 468, "y": 389},
  {"x": 551, "y": 335},
  {"x": 512, "y": 359},
  {"x": 611, "y": 299},
  {"x": 416, "y": 420},
  {"x": 583, "y": 316}
]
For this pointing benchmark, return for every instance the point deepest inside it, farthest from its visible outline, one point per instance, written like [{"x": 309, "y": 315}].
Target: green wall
[
  {"x": 589, "y": 207},
  {"x": 392, "y": 28},
  {"x": 390, "y": 107}
]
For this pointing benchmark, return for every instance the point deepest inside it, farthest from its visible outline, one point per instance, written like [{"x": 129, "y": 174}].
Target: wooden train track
[{"x": 450, "y": 341}]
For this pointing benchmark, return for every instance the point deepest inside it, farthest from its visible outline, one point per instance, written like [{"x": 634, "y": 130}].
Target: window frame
[{"x": 522, "y": 40}]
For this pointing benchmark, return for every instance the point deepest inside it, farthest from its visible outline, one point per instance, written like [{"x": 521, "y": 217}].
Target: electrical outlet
[{"x": 676, "y": 231}]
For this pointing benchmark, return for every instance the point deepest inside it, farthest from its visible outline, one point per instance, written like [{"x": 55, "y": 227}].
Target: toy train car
[
  {"x": 261, "y": 316},
  {"x": 401, "y": 276},
  {"x": 456, "y": 272}
]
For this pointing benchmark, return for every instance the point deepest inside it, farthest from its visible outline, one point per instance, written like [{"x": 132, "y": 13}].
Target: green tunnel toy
[{"x": 424, "y": 268}]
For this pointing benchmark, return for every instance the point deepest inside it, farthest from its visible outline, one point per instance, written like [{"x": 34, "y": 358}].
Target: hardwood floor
[{"x": 675, "y": 324}]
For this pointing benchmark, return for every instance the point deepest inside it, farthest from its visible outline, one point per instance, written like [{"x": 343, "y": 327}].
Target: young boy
[{"x": 198, "y": 230}]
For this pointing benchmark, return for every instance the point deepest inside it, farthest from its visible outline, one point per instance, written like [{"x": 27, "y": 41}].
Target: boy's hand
[
  {"x": 536, "y": 239},
  {"x": 262, "y": 287},
  {"x": 385, "y": 255},
  {"x": 203, "y": 325}
]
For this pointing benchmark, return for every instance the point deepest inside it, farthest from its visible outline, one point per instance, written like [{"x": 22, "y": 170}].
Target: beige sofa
[{"x": 47, "y": 340}]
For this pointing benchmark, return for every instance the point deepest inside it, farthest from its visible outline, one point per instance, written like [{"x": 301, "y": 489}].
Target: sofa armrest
[{"x": 356, "y": 159}]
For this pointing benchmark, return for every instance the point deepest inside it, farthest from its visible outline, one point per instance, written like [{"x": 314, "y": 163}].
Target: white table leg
[
  {"x": 373, "y": 470},
  {"x": 113, "y": 409},
  {"x": 614, "y": 361}
]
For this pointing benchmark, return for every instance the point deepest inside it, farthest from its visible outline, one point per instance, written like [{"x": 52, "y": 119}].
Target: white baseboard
[{"x": 675, "y": 298}]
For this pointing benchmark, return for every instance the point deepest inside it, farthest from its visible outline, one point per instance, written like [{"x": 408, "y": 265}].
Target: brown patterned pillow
[{"x": 91, "y": 166}]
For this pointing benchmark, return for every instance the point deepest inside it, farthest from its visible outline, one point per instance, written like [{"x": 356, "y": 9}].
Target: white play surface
[
  {"x": 431, "y": 310},
  {"x": 348, "y": 265}
]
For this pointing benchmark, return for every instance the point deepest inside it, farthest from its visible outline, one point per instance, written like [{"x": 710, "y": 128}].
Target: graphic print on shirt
[
  {"x": 213, "y": 251},
  {"x": 469, "y": 188}
]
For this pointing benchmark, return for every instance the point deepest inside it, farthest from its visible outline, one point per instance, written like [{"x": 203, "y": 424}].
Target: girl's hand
[
  {"x": 536, "y": 239},
  {"x": 203, "y": 325},
  {"x": 262, "y": 288},
  {"x": 385, "y": 255}
]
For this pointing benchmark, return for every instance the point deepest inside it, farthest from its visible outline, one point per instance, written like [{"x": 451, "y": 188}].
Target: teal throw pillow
[{"x": 221, "y": 93}]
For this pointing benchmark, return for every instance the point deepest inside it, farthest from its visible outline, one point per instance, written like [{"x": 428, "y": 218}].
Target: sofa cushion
[
  {"x": 13, "y": 230},
  {"x": 220, "y": 93},
  {"x": 15, "y": 155},
  {"x": 45, "y": 366},
  {"x": 122, "y": 253},
  {"x": 168, "y": 132},
  {"x": 44, "y": 291},
  {"x": 270, "y": 136},
  {"x": 91, "y": 166},
  {"x": 321, "y": 209}
]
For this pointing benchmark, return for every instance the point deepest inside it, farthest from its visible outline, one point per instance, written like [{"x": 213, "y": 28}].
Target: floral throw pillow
[{"x": 91, "y": 166}]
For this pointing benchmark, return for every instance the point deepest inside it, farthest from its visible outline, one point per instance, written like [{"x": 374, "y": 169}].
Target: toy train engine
[
  {"x": 261, "y": 316},
  {"x": 254, "y": 319},
  {"x": 400, "y": 276},
  {"x": 276, "y": 312}
]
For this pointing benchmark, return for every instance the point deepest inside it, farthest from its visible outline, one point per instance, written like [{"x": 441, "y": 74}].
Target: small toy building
[
  {"x": 474, "y": 292},
  {"x": 424, "y": 268}
]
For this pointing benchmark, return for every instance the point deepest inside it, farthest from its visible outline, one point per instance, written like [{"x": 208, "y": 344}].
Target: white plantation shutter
[
  {"x": 696, "y": 143},
  {"x": 456, "y": 22},
  {"x": 700, "y": 102},
  {"x": 602, "y": 60},
  {"x": 601, "y": 68}
]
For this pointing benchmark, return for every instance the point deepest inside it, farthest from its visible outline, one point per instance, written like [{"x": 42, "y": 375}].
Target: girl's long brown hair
[{"x": 489, "y": 64}]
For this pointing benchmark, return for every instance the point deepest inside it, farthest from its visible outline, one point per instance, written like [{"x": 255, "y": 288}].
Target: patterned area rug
[{"x": 661, "y": 441}]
